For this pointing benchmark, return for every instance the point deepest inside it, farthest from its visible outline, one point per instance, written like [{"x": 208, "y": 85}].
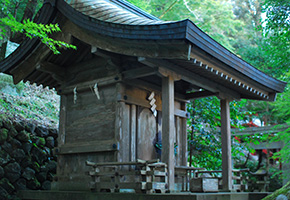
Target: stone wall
[{"x": 26, "y": 157}]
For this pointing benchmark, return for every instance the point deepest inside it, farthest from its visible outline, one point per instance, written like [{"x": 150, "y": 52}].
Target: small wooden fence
[
  {"x": 240, "y": 178},
  {"x": 141, "y": 176},
  {"x": 152, "y": 177},
  {"x": 183, "y": 174}
]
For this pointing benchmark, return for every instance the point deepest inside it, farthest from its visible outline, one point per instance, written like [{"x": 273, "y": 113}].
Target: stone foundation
[{"x": 26, "y": 159}]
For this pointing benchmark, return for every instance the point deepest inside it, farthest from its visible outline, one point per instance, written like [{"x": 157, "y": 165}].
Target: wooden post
[
  {"x": 133, "y": 133},
  {"x": 226, "y": 145},
  {"x": 167, "y": 155},
  {"x": 183, "y": 132},
  {"x": 62, "y": 120}
]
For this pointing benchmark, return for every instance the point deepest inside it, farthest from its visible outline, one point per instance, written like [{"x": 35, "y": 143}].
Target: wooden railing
[
  {"x": 141, "y": 176},
  {"x": 183, "y": 174},
  {"x": 239, "y": 178}
]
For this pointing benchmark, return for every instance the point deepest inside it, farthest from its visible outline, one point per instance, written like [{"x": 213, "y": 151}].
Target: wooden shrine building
[{"x": 124, "y": 90}]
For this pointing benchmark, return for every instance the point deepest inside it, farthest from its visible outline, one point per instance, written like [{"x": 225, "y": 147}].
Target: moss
[
  {"x": 3, "y": 135},
  {"x": 5, "y": 183},
  {"x": 41, "y": 141},
  {"x": 36, "y": 166},
  {"x": 33, "y": 184},
  {"x": 284, "y": 190},
  {"x": 23, "y": 136}
]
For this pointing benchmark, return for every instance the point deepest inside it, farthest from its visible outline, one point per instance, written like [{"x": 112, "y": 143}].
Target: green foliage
[
  {"x": 278, "y": 16},
  {"x": 33, "y": 30},
  {"x": 141, "y": 4},
  {"x": 276, "y": 178},
  {"x": 29, "y": 102},
  {"x": 280, "y": 108},
  {"x": 205, "y": 146},
  {"x": 30, "y": 29},
  {"x": 277, "y": 29},
  {"x": 217, "y": 19},
  {"x": 284, "y": 153},
  {"x": 203, "y": 136},
  {"x": 214, "y": 17}
]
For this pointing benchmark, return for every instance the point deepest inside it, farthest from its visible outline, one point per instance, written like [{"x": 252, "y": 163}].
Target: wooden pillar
[
  {"x": 183, "y": 132},
  {"x": 62, "y": 120},
  {"x": 133, "y": 133},
  {"x": 226, "y": 145},
  {"x": 167, "y": 155}
]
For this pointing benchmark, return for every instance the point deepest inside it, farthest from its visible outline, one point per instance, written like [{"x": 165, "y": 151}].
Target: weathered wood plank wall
[
  {"x": 87, "y": 124},
  {"x": 117, "y": 127},
  {"x": 88, "y": 134},
  {"x": 89, "y": 118},
  {"x": 145, "y": 129}
]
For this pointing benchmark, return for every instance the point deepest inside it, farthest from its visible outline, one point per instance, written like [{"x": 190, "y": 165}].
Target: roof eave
[
  {"x": 209, "y": 46},
  {"x": 188, "y": 35}
]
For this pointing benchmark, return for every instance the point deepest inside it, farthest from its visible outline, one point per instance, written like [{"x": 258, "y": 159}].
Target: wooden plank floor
[{"x": 74, "y": 195}]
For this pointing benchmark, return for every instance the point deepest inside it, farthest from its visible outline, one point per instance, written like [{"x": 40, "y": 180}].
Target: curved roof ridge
[{"x": 109, "y": 11}]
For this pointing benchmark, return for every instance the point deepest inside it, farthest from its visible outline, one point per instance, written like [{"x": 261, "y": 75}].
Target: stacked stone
[{"x": 26, "y": 157}]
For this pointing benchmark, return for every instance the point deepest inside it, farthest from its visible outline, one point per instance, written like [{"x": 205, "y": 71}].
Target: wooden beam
[
  {"x": 226, "y": 145},
  {"x": 50, "y": 68},
  {"x": 88, "y": 147},
  {"x": 191, "y": 77},
  {"x": 272, "y": 97},
  {"x": 150, "y": 86},
  {"x": 168, "y": 128},
  {"x": 133, "y": 100},
  {"x": 28, "y": 65},
  {"x": 200, "y": 94},
  {"x": 88, "y": 85},
  {"x": 139, "y": 72},
  {"x": 259, "y": 130},
  {"x": 267, "y": 145},
  {"x": 57, "y": 72},
  {"x": 87, "y": 65},
  {"x": 104, "y": 54},
  {"x": 165, "y": 73},
  {"x": 181, "y": 113}
]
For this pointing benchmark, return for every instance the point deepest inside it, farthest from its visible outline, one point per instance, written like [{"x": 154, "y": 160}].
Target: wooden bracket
[
  {"x": 223, "y": 96},
  {"x": 165, "y": 73},
  {"x": 57, "y": 72},
  {"x": 162, "y": 71}
]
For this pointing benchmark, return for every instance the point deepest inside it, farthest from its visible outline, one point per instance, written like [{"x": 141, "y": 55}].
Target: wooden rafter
[{"x": 191, "y": 77}]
